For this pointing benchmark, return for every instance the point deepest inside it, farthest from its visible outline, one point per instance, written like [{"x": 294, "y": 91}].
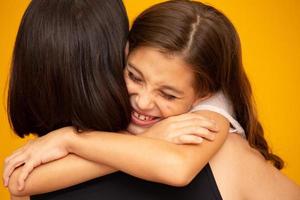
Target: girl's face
[{"x": 159, "y": 86}]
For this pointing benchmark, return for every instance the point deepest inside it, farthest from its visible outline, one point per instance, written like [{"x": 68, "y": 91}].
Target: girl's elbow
[
  {"x": 179, "y": 174},
  {"x": 13, "y": 186},
  {"x": 13, "y": 189},
  {"x": 180, "y": 181},
  {"x": 183, "y": 176}
]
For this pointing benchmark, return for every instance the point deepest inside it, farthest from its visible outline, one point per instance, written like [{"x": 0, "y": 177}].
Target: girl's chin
[{"x": 135, "y": 129}]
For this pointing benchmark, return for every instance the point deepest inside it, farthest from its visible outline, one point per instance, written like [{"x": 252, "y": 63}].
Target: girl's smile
[{"x": 140, "y": 119}]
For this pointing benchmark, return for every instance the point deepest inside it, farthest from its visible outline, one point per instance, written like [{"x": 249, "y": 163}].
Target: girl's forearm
[
  {"x": 147, "y": 158},
  {"x": 70, "y": 171},
  {"x": 138, "y": 156}
]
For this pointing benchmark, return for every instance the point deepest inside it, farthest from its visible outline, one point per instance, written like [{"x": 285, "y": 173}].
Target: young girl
[{"x": 180, "y": 54}]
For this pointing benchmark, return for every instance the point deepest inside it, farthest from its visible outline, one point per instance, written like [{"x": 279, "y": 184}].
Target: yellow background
[{"x": 269, "y": 31}]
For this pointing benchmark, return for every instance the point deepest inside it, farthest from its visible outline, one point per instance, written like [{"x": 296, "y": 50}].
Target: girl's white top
[{"x": 220, "y": 104}]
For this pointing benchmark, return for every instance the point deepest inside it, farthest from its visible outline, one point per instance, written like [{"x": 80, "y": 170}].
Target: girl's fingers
[
  {"x": 187, "y": 116},
  {"x": 194, "y": 118},
  {"x": 207, "y": 124},
  {"x": 13, "y": 155},
  {"x": 188, "y": 139},
  {"x": 198, "y": 131},
  {"x": 210, "y": 125},
  {"x": 26, "y": 170},
  {"x": 205, "y": 133},
  {"x": 11, "y": 165}
]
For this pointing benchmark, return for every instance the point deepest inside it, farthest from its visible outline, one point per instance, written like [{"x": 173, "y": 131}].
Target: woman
[{"x": 217, "y": 61}]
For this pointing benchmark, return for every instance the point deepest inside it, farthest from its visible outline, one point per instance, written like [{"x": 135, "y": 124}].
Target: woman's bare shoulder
[
  {"x": 255, "y": 177},
  {"x": 228, "y": 166},
  {"x": 242, "y": 151},
  {"x": 237, "y": 150}
]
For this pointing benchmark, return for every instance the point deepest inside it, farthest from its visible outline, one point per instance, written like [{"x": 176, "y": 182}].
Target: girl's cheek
[
  {"x": 131, "y": 87},
  {"x": 167, "y": 109}
]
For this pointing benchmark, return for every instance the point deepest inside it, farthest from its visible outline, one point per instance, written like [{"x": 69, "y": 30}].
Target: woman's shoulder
[
  {"x": 240, "y": 148},
  {"x": 228, "y": 166},
  {"x": 236, "y": 150},
  {"x": 252, "y": 175}
]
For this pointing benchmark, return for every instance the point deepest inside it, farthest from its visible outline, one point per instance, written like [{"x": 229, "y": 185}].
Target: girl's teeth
[{"x": 141, "y": 117}]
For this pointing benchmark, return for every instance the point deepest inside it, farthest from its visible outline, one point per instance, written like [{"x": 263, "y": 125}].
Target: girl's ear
[{"x": 200, "y": 99}]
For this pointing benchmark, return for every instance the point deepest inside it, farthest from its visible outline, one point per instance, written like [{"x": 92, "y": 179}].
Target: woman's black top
[{"x": 120, "y": 186}]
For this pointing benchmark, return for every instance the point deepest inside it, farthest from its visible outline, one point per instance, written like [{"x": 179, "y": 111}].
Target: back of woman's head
[
  {"x": 67, "y": 67},
  {"x": 206, "y": 40}
]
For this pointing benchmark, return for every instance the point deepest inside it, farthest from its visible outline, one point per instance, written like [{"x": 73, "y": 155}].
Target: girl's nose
[{"x": 144, "y": 101}]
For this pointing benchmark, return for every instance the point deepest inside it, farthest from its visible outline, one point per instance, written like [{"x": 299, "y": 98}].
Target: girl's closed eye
[
  {"x": 168, "y": 96},
  {"x": 133, "y": 77}
]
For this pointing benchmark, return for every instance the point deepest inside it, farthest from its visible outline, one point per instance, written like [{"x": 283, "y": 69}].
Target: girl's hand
[
  {"x": 189, "y": 128},
  {"x": 41, "y": 150}
]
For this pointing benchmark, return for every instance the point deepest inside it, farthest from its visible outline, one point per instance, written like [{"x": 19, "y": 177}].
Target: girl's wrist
[{"x": 70, "y": 139}]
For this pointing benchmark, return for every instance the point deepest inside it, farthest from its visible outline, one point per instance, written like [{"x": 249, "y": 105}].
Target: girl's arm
[
  {"x": 18, "y": 198},
  {"x": 70, "y": 171},
  {"x": 149, "y": 159},
  {"x": 41, "y": 181},
  {"x": 193, "y": 154}
]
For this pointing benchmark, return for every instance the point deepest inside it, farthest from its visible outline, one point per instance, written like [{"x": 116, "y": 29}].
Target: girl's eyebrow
[
  {"x": 131, "y": 66},
  {"x": 172, "y": 89}
]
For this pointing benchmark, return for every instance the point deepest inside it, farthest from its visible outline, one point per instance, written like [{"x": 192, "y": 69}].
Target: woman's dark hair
[
  {"x": 206, "y": 39},
  {"x": 67, "y": 67}
]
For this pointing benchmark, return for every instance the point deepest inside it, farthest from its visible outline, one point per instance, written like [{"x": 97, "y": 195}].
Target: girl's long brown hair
[{"x": 207, "y": 40}]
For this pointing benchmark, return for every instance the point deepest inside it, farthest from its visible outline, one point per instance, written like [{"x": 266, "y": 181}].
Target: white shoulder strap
[{"x": 220, "y": 104}]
